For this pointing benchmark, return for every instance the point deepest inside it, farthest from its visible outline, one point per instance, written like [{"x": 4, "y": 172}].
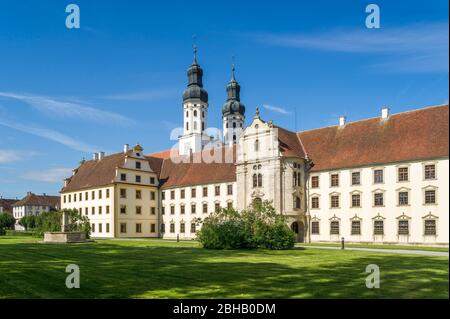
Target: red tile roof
[
  {"x": 7, "y": 204},
  {"x": 413, "y": 135},
  {"x": 39, "y": 200}
]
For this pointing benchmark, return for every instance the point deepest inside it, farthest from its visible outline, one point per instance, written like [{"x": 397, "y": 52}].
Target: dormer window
[{"x": 138, "y": 165}]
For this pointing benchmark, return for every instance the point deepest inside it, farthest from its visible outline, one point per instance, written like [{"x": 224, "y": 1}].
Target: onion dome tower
[{"x": 233, "y": 112}]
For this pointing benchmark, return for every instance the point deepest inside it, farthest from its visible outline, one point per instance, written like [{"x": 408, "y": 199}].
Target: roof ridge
[{"x": 376, "y": 117}]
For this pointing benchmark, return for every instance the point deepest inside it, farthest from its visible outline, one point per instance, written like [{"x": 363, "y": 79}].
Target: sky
[{"x": 65, "y": 93}]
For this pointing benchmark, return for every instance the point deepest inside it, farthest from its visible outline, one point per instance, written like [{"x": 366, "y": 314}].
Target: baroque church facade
[{"x": 379, "y": 180}]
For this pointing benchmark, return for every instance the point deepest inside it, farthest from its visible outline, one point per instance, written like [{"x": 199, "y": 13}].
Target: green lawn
[
  {"x": 381, "y": 246},
  {"x": 161, "y": 269}
]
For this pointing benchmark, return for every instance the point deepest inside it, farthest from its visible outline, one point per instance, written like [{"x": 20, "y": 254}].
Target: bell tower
[
  {"x": 233, "y": 112},
  {"x": 195, "y": 111}
]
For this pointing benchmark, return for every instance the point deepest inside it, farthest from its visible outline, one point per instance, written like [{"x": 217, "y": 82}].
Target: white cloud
[
  {"x": 50, "y": 135},
  {"x": 143, "y": 95},
  {"x": 8, "y": 156},
  {"x": 52, "y": 175},
  {"x": 68, "y": 109},
  {"x": 276, "y": 109},
  {"x": 413, "y": 48}
]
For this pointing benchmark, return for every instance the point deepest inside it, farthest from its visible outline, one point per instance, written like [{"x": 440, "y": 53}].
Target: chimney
[
  {"x": 342, "y": 120},
  {"x": 66, "y": 182},
  {"x": 101, "y": 155},
  {"x": 44, "y": 194},
  {"x": 126, "y": 148},
  {"x": 28, "y": 193},
  {"x": 384, "y": 112},
  {"x": 95, "y": 156}
]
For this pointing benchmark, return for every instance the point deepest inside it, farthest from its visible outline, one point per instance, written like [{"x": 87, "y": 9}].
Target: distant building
[
  {"x": 6, "y": 205},
  {"x": 33, "y": 204}
]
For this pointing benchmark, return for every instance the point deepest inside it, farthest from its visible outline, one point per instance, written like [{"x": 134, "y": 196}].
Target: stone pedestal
[{"x": 65, "y": 237}]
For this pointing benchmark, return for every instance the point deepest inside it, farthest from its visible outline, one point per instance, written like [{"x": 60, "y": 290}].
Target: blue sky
[{"x": 119, "y": 78}]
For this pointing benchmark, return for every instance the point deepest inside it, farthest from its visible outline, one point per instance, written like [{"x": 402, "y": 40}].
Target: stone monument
[{"x": 65, "y": 236}]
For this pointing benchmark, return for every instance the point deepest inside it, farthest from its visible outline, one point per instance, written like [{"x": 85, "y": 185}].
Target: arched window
[
  {"x": 255, "y": 180},
  {"x": 259, "y": 180},
  {"x": 234, "y": 124},
  {"x": 226, "y": 125},
  {"x": 297, "y": 202},
  {"x": 256, "y": 145},
  {"x": 203, "y": 126},
  {"x": 203, "y": 114},
  {"x": 187, "y": 126},
  {"x": 187, "y": 113},
  {"x": 195, "y": 113},
  {"x": 234, "y": 138}
]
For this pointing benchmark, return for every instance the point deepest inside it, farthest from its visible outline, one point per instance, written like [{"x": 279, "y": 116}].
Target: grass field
[{"x": 161, "y": 269}]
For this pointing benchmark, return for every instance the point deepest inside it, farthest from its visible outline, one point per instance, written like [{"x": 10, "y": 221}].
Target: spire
[
  {"x": 257, "y": 113},
  {"x": 194, "y": 88},
  {"x": 195, "y": 55},
  {"x": 232, "y": 73}
]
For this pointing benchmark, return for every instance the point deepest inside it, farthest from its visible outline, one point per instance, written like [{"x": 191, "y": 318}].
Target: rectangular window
[
  {"x": 430, "y": 227},
  {"x": 334, "y": 228},
  {"x": 138, "y": 194},
  {"x": 356, "y": 200},
  {"x": 229, "y": 189},
  {"x": 403, "y": 198},
  {"x": 163, "y": 210},
  {"x": 123, "y": 193},
  {"x": 315, "y": 228},
  {"x": 334, "y": 180},
  {"x": 430, "y": 197},
  {"x": 107, "y": 193},
  {"x": 138, "y": 228},
  {"x": 100, "y": 227},
  {"x": 64, "y": 198},
  {"x": 152, "y": 228},
  {"x": 172, "y": 228},
  {"x": 378, "y": 176},
  {"x": 138, "y": 165},
  {"x": 93, "y": 195},
  {"x": 205, "y": 191},
  {"x": 100, "y": 210},
  {"x": 152, "y": 210},
  {"x": 217, "y": 190},
  {"x": 138, "y": 210},
  {"x": 403, "y": 227},
  {"x": 378, "y": 227},
  {"x": 152, "y": 181},
  {"x": 182, "y": 209},
  {"x": 100, "y": 194},
  {"x": 163, "y": 228},
  {"x": 93, "y": 227},
  {"x": 193, "y": 209},
  {"x": 315, "y": 181},
  {"x": 163, "y": 195},
  {"x": 205, "y": 208},
  {"x": 138, "y": 178},
  {"x": 182, "y": 228},
  {"x": 70, "y": 198},
  {"x": 80, "y": 197},
  {"x": 430, "y": 171},
  {"x": 193, "y": 192},
  {"x": 315, "y": 202},
  {"x": 74, "y": 198},
  {"x": 107, "y": 209},
  {"x": 356, "y": 227},
  {"x": 86, "y": 196},
  {"x": 107, "y": 227},
  {"x": 182, "y": 194},
  {"x": 172, "y": 194},
  {"x": 403, "y": 174},
  {"x": 86, "y": 211},
  {"x": 378, "y": 199},
  {"x": 230, "y": 205},
  {"x": 356, "y": 178},
  {"x": 335, "y": 201},
  {"x": 172, "y": 210},
  {"x": 123, "y": 209},
  {"x": 216, "y": 207},
  {"x": 193, "y": 228},
  {"x": 93, "y": 210},
  {"x": 123, "y": 228},
  {"x": 152, "y": 195}
]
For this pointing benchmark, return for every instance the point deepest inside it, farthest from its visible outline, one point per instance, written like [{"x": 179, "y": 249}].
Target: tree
[
  {"x": 7, "y": 221},
  {"x": 28, "y": 222},
  {"x": 52, "y": 221},
  {"x": 258, "y": 226}
]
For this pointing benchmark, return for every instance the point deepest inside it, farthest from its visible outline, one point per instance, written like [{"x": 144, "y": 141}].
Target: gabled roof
[
  {"x": 39, "y": 200},
  {"x": 414, "y": 135},
  {"x": 7, "y": 204},
  {"x": 289, "y": 143}
]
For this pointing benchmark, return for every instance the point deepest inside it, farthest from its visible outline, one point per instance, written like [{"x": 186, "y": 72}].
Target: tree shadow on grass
[{"x": 112, "y": 269}]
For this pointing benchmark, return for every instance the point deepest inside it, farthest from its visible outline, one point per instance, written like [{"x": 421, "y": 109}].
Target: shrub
[
  {"x": 52, "y": 221},
  {"x": 28, "y": 222},
  {"x": 259, "y": 226}
]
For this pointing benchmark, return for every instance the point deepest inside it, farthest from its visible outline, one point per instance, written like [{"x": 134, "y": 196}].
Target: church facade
[{"x": 379, "y": 180}]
